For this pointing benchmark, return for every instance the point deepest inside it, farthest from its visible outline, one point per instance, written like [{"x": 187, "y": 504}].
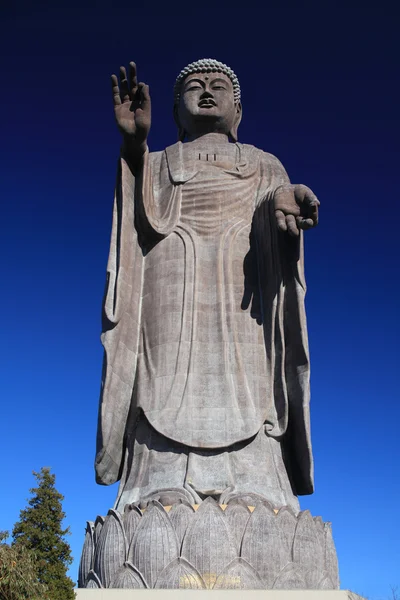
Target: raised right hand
[{"x": 132, "y": 107}]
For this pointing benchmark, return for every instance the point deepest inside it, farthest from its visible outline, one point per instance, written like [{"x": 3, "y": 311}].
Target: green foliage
[
  {"x": 40, "y": 530},
  {"x": 19, "y": 573}
]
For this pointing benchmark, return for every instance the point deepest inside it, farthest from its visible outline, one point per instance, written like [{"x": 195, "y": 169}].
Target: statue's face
[{"x": 207, "y": 102}]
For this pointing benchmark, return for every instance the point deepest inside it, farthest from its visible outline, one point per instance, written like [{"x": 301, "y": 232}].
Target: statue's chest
[{"x": 217, "y": 197}]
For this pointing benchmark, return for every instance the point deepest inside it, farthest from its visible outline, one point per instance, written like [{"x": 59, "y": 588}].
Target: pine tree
[{"x": 40, "y": 529}]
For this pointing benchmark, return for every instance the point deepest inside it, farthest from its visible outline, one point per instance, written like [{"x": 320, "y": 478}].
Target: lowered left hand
[{"x": 296, "y": 207}]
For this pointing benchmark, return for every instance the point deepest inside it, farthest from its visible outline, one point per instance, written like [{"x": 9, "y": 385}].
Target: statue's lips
[{"x": 207, "y": 103}]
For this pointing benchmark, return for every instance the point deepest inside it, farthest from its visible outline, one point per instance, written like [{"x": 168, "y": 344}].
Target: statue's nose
[{"x": 206, "y": 94}]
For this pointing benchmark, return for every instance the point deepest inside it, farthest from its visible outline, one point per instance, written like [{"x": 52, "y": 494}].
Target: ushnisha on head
[{"x": 207, "y": 100}]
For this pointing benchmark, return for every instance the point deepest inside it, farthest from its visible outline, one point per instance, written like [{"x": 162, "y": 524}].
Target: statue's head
[{"x": 207, "y": 99}]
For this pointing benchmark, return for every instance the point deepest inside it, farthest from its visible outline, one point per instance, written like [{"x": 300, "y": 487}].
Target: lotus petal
[
  {"x": 331, "y": 561},
  {"x": 249, "y": 499},
  {"x": 319, "y": 528},
  {"x": 237, "y": 515},
  {"x": 207, "y": 543},
  {"x": 290, "y": 578},
  {"x": 154, "y": 544},
  {"x": 318, "y": 522},
  {"x": 98, "y": 524},
  {"x": 111, "y": 548},
  {"x": 178, "y": 575},
  {"x": 312, "y": 578},
  {"x": 86, "y": 562},
  {"x": 93, "y": 581},
  {"x": 131, "y": 518},
  {"x": 307, "y": 550},
  {"x": 262, "y": 546},
  {"x": 286, "y": 521},
  {"x": 181, "y": 514},
  {"x": 325, "y": 582},
  {"x": 129, "y": 578},
  {"x": 239, "y": 575}
]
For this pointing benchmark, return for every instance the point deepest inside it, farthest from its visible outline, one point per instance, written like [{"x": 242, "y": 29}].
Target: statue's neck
[{"x": 208, "y": 138}]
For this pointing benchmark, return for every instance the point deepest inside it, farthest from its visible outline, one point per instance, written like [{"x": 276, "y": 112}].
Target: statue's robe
[{"x": 204, "y": 325}]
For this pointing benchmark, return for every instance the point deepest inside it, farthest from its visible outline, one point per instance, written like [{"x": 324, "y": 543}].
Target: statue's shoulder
[
  {"x": 156, "y": 157},
  {"x": 158, "y": 164},
  {"x": 270, "y": 167},
  {"x": 158, "y": 153},
  {"x": 173, "y": 152},
  {"x": 160, "y": 169},
  {"x": 261, "y": 155},
  {"x": 248, "y": 149}
]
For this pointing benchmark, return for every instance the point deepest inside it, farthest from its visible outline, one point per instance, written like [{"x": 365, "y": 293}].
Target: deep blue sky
[{"x": 320, "y": 90}]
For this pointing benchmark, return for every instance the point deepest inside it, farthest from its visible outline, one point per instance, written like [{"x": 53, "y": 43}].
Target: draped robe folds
[{"x": 204, "y": 324}]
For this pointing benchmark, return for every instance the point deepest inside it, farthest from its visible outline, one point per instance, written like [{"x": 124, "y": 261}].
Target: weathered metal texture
[
  {"x": 180, "y": 574},
  {"x": 222, "y": 548},
  {"x": 111, "y": 548},
  {"x": 155, "y": 543},
  {"x": 290, "y": 578},
  {"x": 237, "y": 515},
  {"x": 93, "y": 582},
  {"x": 98, "y": 525},
  {"x": 208, "y": 544},
  {"x": 181, "y": 515},
  {"x": 129, "y": 577},
  {"x": 131, "y": 520},
  {"x": 331, "y": 561},
  {"x": 239, "y": 575},
  {"x": 262, "y": 546},
  {"x": 307, "y": 549},
  {"x": 86, "y": 562}
]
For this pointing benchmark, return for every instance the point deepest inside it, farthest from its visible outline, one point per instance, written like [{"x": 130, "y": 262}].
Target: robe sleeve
[
  {"x": 121, "y": 322},
  {"x": 146, "y": 209},
  {"x": 282, "y": 289}
]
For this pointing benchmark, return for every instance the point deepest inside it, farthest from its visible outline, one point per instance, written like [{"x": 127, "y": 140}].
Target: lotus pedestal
[{"x": 208, "y": 547}]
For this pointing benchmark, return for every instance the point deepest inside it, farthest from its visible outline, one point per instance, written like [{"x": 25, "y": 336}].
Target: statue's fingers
[
  {"x": 125, "y": 97},
  {"x": 280, "y": 220},
  {"x": 313, "y": 211},
  {"x": 291, "y": 225},
  {"x": 304, "y": 223},
  {"x": 145, "y": 91},
  {"x": 300, "y": 192},
  {"x": 311, "y": 202},
  {"x": 133, "y": 77},
  {"x": 314, "y": 218},
  {"x": 308, "y": 202},
  {"x": 115, "y": 90},
  {"x": 145, "y": 99},
  {"x": 309, "y": 198},
  {"x": 304, "y": 195},
  {"x": 309, "y": 209}
]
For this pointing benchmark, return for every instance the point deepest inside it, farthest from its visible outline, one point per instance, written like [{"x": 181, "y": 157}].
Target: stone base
[
  {"x": 216, "y": 595},
  {"x": 209, "y": 547}
]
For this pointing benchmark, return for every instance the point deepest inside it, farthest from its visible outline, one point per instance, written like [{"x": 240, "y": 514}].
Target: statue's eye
[
  {"x": 218, "y": 87},
  {"x": 194, "y": 86}
]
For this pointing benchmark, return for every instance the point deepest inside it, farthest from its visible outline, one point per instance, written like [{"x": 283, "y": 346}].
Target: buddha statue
[{"x": 205, "y": 386}]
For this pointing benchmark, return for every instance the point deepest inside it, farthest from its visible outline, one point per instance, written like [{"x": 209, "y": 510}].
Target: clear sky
[{"x": 320, "y": 91}]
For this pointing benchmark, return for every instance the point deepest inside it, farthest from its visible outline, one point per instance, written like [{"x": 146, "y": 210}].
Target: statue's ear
[
  {"x": 181, "y": 131},
  {"x": 233, "y": 134}
]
